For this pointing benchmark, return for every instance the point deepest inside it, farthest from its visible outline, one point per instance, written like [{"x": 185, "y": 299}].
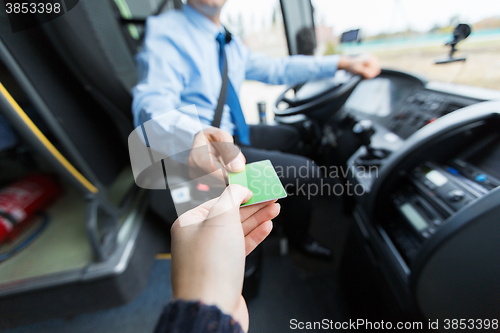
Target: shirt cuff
[{"x": 328, "y": 65}]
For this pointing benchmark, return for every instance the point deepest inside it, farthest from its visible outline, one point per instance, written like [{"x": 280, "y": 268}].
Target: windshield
[{"x": 406, "y": 35}]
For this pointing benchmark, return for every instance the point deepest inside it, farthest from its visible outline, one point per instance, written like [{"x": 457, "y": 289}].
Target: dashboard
[
  {"x": 399, "y": 104},
  {"x": 427, "y": 155},
  {"x": 403, "y": 103},
  {"x": 428, "y": 218}
]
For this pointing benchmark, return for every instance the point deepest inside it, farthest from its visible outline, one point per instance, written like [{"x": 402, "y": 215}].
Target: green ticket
[{"x": 262, "y": 180}]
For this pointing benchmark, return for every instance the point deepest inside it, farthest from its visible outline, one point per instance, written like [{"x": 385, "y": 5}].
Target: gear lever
[{"x": 364, "y": 130}]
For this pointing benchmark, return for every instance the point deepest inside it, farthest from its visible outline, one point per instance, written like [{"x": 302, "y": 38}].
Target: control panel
[
  {"x": 431, "y": 195},
  {"x": 420, "y": 109},
  {"x": 401, "y": 103}
]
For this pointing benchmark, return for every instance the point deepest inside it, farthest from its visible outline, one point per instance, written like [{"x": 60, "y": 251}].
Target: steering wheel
[{"x": 311, "y": 96}]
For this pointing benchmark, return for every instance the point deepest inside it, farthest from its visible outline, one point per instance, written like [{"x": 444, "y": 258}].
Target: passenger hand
[
  {"x": 208, "y": 146},
  {"x": 367, "y": 66},
  {"x": 209, "y": 245}
]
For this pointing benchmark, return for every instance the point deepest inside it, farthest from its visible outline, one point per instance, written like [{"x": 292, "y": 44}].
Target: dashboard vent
[{"x": 452, "y": 106}]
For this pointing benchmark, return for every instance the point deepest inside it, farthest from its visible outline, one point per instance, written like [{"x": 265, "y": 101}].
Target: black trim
[
  {"x": 229, "y": 36},
  {"x": 43, "y": 110},
  {"x": 286, "y": 26},
  {"x": 139, "y": 21},
  {"x": 468, "y": 216}
]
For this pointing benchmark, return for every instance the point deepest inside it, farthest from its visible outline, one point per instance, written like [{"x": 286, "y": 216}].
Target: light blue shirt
[{"x": 179, "y": 67}]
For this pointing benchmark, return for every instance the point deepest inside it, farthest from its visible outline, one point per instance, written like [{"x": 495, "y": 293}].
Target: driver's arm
[
  {"x": 163, "y": 74},
  {"x": 299, "y": 68}
]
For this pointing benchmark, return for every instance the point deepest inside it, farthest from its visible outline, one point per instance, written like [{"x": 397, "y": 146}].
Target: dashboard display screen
[
  {"x": 379, "y": 97},
  {"x": 372, "y": 97},
  {"x": 414, "y": 217}
]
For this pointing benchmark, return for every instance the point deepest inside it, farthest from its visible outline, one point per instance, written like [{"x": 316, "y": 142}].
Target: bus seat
[{"x": 97, "y": 43}]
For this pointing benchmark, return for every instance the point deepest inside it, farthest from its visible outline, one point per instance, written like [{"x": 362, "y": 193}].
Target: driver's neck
[{"x": 212, "y": 13}]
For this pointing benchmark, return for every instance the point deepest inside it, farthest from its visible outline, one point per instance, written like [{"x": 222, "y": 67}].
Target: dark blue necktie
[{"x": 232, "y": 99}]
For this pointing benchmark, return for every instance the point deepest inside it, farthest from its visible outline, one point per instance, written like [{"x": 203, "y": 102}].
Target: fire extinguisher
[{"x": 20, "y": 201}]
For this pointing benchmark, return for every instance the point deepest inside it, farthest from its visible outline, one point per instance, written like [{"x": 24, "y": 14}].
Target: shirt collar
[{"x": 202, "y": 22}]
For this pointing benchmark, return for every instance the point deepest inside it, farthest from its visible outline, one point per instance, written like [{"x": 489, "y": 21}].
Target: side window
[{"x": 259, "y": 23}]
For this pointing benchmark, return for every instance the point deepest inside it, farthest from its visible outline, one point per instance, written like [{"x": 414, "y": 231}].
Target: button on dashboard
[
  {"x": 455, "y": 195},
  {"x": 481, "y": 178}
]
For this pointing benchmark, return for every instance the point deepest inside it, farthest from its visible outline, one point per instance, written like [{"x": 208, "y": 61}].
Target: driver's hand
[
  {"x": 367, "y": 66},
  {"x": 208, "y": 147}
]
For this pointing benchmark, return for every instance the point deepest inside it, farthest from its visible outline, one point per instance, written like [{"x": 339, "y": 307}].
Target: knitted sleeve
[{"x": 195, "y": 317}]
